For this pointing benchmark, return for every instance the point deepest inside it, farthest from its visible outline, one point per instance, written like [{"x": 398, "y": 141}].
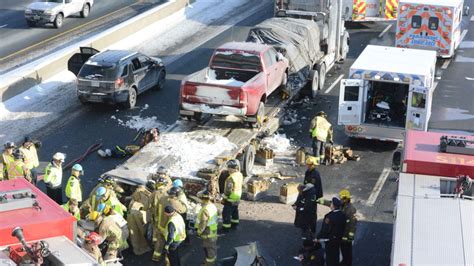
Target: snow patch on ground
[
  {"x": 279, "y": 143},
  {"x": 188, "y": 151},
  {"x": 137, "y": 122}
]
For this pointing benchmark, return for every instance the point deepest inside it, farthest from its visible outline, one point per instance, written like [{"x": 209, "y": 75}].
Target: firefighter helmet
[
  {"x": 18, "y": 155},
  {"x": 311, "y": 160},
  {"x": 344, "y": 194}
]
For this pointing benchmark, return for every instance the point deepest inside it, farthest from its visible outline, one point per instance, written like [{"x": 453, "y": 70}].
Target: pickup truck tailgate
[{"x": 211, "y": 94}]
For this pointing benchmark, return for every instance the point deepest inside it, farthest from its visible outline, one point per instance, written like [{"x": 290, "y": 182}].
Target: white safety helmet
[{"x": 58, "y": 156}]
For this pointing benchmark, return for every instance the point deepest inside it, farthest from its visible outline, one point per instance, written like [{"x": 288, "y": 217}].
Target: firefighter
[
  {"x": 232, "y": 195},
  {"x": 151, "y": 135},
  {"x": 102, "y": 195},
  {"x": 206, "y": 227},
  {"x": 159, "y": 192},
  {"x": 174, "y": 234},
  {"x": 312, "y": 254},
  {"x": 109, "y": 183},
  {"x": 312, "y": 176},
  {"x": 7, "y": 158},
  {"x": 29, "y": 149},
  {"x": 333, "y": 229},
  {"x": 159, "y": 234},
  {"x": 138, "y": 216},
  {"x": 112, "y": 228},
  {"x": 91, "y": 246},
  {"x": 182, "y": 197},
  {"x": 73, "y": 185},
  {"x": 305, "y": 207},
  {"x": 53, "y": 177},
  {"x": 162, "y": 172},
  {"x": 350, "y": 227},
  {"x": 72, "y": 207},
  {"x": 320, "y": 132},
  {"x": 18, "y": 169}
]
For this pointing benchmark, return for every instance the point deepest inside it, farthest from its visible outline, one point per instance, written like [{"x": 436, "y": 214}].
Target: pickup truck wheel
[
  {"x": 160, "y": 82},
  {"x": 85, "y": 11},
  {"x": 248, "y": 159},
  {"x": 260, "y": 116},
  {"x": 284, "y": 81},
  {"x": 58, "y": 21},
  {"x": 132, "y": 98},
  {"x": 314, "y": 85},
  {"x": 322, "y": 76}
]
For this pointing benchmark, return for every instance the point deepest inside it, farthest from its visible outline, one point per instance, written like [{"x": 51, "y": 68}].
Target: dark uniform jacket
[
  {"x": 351, "y": 220},
  {"x": 312, "y": 176},
  {"x": 333, "y": 226},
  {"x": 312, "y": 257},
  {"x": 306, "y": 208}
]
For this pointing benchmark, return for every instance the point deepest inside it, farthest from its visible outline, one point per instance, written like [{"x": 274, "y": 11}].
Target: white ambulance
[
  {"x": 389, "y": 89},
  {"x": 430, "y": 24}
]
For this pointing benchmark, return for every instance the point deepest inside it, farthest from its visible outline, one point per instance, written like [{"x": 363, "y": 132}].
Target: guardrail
[{"x": 25, "y": 77}]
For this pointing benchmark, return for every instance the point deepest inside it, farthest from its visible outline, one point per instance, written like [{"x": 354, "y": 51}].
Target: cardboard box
[
  {"x": 256, "y": 189},
  {"x": 289, "y": 193}
]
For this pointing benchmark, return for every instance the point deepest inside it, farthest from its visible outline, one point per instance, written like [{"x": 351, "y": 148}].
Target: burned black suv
[{"x": 115, "y": 76}]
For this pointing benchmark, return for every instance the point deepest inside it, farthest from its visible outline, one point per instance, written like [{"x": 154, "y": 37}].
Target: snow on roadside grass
[
  {"x": 188, "y": 151},
  {"x": 137, "y": 122}
]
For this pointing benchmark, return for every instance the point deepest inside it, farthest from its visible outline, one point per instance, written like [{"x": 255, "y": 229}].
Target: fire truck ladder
[
  {"x": 17, "y": 199},
  {"x": 457, "y": 145}
]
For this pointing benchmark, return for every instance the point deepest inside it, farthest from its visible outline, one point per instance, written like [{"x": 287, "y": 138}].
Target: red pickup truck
[{"x": 237, "y": 82}]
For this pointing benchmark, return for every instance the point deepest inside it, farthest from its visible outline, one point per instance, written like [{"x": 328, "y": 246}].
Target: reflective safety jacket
[
  {"x": 321, "y": 129},
  {"x": 18, "y": 169},
  {"x": 6, "y": 160},
  {"x": 53, "y": 175},
  {"x": 76, "y": 214},
  {"x": 233, "y": 187},
  {"x": 74, "y": 188},
  {"x": 206, "y": 221},
  {"x": 31, "y": 156},
  {"x": 180, "y": 228}
]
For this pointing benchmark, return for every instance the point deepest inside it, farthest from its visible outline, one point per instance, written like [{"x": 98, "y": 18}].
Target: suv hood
[{"x": 44, "y": 6}]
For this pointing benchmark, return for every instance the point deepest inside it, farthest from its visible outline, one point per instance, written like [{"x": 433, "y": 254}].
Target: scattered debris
[
  {"x": 289, "y": 193},
  {"x": 256, "y": 188},
  {"x": 339, "y": 154},
  {"x": 265, "y": 156}
]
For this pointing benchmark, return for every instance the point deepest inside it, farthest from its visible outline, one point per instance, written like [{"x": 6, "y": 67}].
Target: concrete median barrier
[{"x": 24, "y": 77}]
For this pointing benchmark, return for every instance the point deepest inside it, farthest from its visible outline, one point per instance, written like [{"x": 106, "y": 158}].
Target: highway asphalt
[{"x": 83, "y": 126}]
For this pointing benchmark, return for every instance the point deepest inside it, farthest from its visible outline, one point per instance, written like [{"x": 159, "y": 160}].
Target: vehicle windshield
[
  {"x": 237, "y": 60},
  {"x": 98, "y": 72}
]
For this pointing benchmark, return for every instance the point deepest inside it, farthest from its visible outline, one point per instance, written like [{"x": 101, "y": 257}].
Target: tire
[
  {"x": 284, "y": 81},
  {"x": 345, "y": 46},
  {"x": 83, "y": 101},
  {"x": 314, "y": 85},
  {"x": 85, "y": 11},
  {"x": 322, "y": 76},
  {"x": 466, "y": 11},
  {"x": 31, "y": 23},
  {"x": 248, "y": 159},
  {"x": 132, "y": 98},
  {"x": 260, "y": 116},
  {"x": 160, "y": 82},
  {"x": 197, "y": 117},
  {"x": 58, "y": 21}
]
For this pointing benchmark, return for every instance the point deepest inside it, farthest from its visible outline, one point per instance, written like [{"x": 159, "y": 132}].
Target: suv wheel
[
  {"x": 132, "y": 98},
  {"x": 58, "y": 21},
  {"x": 160, "y": 83},
  {"x": 30, "y": 23},
  {"x": 85, "y": 11}
]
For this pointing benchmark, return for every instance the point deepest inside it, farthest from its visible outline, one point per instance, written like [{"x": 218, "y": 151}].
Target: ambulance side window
[
  {"x": 418, "y": 100},
  {"x": 433, "y": 23},
  {"x": 351, "y": 93},
  {"x": 416, "y": 22}
]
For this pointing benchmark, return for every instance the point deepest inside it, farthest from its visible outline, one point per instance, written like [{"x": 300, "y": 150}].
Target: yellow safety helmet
[
  {"x": 93, "y": 215},
  {"x": 344, "y": 194},
  {"x": 311, "y": 160}
]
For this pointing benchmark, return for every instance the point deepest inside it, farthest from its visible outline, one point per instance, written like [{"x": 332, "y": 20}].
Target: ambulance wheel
[
  {"x": 248, "y": 159},
  {"x": 314, "y": 84}
]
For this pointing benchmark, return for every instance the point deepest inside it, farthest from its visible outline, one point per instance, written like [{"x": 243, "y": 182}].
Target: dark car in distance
[{"x": 115, "y": 76}]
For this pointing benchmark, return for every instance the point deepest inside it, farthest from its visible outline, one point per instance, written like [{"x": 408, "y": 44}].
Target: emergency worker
[
  {"x": 72, "y": 207},
  {"x": 182, "y": 197},
  {"x": 113, "y": 228},
  {"x": 7, "y": 158},
  {"x": 118, "y": 151},
  {"x": 321, "y": 132},
  {"x": 91, "y": 246},
  {"x": 333, "y": 229},
  {"x": 109, "y": 183},
  {"x": 232, "y": 195},
  {"x": 159, "y": 234},
  {"x": 312, "y": 176},
  {"x": 138, "y": 215},
  {"x": 206, "y": 227},
  {"x": 306, "y": 209},
  {"x": 53, "y": 177},
  {"x": 350, "y": 227},
  {"x": 29, "y": 150},
  {"x": 73, "y": 185},
  {"x": 18, "y": 169},
  {"x": 312, "y": 254},
  {"x": 162, "y": 172},
  {"x": 174, "y": 234}
]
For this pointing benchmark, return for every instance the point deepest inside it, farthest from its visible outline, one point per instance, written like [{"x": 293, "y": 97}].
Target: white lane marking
[
  {"x": 334, "y": 83},
  {"x": 472, "y": 18},
  {"x": 463, "y": 34},
  {"x": 378, "y": 186},
  {"x": 446, "y": 64},
  {"x": 3, "y": 26},
  {"x": 385, "y": 30},
  {"x": 468, "y": 78}
]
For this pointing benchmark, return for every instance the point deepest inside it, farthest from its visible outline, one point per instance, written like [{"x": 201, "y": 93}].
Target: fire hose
[{"x": 89, "y": 150}]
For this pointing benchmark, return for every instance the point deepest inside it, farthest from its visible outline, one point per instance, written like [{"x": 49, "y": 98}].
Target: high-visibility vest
[
  {"x": 237, "y": 179},
  {"x": 111, "y": 201},
  {"x": 321, "y": 130},
  {"x": 180, "y": 227},
  {"x": 16, "y": 169},
  {"x": 53, "y": 174},
  {"x": 211, "y": 211},
  {"x": 74, "y": 189},
  {"x": 76, "y": 215},
  {"x": 31, "y": 156},
  {"x": 7, "y": 158}
]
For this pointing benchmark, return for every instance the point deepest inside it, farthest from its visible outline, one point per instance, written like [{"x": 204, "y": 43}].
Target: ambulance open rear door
[
  {"x": 350, "y": 102},
  {"x": 418, "y": 108}
]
